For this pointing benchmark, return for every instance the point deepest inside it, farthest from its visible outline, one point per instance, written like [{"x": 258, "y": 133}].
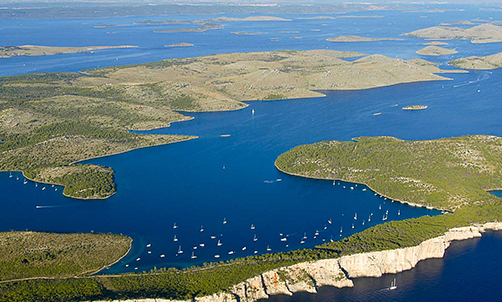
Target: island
[
  {"x": 464, "y": 22},
  {"x": 202, "y": 28},
  {"x": 352, "y": 38},
  {"x": 481, "y": 63},
  {"x": 438, "y": 43},
  {"x": 453, "y": 174},
  {"x": 179, "y": 45},
  {"x": 247, "y": 33},
  {"x": 34, "y": 50},
  {"x": 435, "y": 51},
  {"x": 483, "y": 33},
  {"x": 52, "y": 121},
  {"x": 415, "y": 107}
]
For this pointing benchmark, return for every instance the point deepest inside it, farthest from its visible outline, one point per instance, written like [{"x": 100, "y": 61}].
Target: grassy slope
[{"x": 33, "y": 254}]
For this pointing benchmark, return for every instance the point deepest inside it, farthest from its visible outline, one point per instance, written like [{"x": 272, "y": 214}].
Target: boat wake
[{"x": 47, "y": 207}]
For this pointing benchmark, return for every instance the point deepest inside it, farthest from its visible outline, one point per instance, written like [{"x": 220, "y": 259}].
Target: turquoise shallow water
[{"x": 204, "y": 181}]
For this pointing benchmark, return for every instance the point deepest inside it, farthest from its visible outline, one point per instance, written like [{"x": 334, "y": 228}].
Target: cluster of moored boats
[{"x": 25, "y": 182}]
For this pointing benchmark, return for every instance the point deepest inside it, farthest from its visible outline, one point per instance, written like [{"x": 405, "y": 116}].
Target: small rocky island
[
  {"x": 435, "y": 51},
  {"x": 353, "y": 38},
  {"x": 415, "y": 107},
  {"x": 481, "y": 63}
]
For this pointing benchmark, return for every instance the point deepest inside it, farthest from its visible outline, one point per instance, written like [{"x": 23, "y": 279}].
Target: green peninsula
[{"x": 445, "y": 174}]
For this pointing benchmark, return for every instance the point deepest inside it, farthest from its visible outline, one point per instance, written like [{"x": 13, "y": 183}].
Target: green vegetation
[
  {"x": 445, "y": 173},
  {"x": 47, "y": 123},
  {"x": 50, "y": 120},
  {"x": 170, "y": 283},
  {"x": 33, "y": 254},
  {"x": 450, "y": 173}
]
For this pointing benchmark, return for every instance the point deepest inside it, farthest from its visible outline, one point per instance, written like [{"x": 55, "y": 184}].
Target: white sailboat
[
  {"x": 355, "y": 216},
  {"x": 175, "y": 239},
  {"x": 219, "y": 243},
  {"x": 193, "y": 256},
  {"x": 180, "y": 251},
  {"x": 268, "y": 248},
  {"x": 201, "y": 228},
  {"x": 254, "y": 238},
  {"x": 175, "y": 226},
  {"x": 393, "y": 285},
  {"x": 253, "y": 227},
  {"x": 330, "y": 221},
  {"x": 224, "y": 221}
]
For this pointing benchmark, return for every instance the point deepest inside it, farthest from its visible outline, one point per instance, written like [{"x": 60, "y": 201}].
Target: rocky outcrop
[{"x": 309, "y": 276}]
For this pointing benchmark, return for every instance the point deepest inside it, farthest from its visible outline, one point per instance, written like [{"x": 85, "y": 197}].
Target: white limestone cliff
[{"x": 308, "y": 276}]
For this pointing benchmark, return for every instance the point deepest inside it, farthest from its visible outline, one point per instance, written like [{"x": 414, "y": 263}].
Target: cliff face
[{"x": 308, "y": 276}]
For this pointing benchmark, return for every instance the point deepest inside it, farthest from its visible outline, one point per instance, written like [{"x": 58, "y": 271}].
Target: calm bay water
[{"x": 204, "y": 182}]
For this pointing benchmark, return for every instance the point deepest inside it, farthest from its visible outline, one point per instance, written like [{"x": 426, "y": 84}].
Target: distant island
[
  {"x": 484, "y": 33},
  {"x": 415, "y": 107},
  {"x": 435, "y": 51},
  {"x": 34, "y": 50},
  {"x": 39, "y": 121},
  {"x": 352, "y": 38},
  {"x": 437, "y": 43},
  {"x": 202, "y": 28},
  {"x": 482, "y": 63},
  {"x": 464, "y": 22},
  {"x": 179, "y": 45},
  {"x": 247, "y": 33}
]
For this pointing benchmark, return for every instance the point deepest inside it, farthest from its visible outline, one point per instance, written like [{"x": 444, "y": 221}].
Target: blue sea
[{"x": 188, "y": 196}]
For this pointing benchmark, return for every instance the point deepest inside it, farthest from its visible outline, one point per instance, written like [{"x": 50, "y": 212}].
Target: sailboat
[
  {"x": 355, "y": 216},
  {"x": 352, "y": 225},
  {"x": 393, "y": 285},
  {"x": 193, "y": 256},
  {"x": 398, "y": 212},
  {"x": 175, "y": 239},
  {"x": 175, "y": 226},
  {"x": 363, "y": 222},
  {"x": 330, "y": 221},
  {"x": 244, "y": 248},
  {"x": 180, "y": 251},
  {"x": 254, "y": 238},
  {"x": 268, "y": 248},
  {"x": 201, "y": 228},
  {"x": 253, "y": 227},
  {"x": 304, "y": 235},
  {"x": 316, "y": 233},
  {"x": 219, "y": 243},
  {"x": 224, "y": 221}
]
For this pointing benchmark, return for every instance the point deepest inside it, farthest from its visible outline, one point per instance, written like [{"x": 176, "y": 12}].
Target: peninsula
[
  {"x": 50, "y": 121},
  {"x": 484, "y": 33},
  {"x": 34, "y": 50},
  {"x": 435, "y": 51},
  {"x": 352, "y": 38},
  {"x": 481, "y": 63}
]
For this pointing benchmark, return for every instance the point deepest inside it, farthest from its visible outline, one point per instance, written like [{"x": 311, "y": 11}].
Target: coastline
[
  {"x": 117, "y": 261},
  {"x": 96, "y": 157},
  {"x": 337, "y": 272},
  {"x": 411, "y": 204}
]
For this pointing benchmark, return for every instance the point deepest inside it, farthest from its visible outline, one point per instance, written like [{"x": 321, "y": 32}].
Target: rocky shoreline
[{"x": 338, "y": 272}]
